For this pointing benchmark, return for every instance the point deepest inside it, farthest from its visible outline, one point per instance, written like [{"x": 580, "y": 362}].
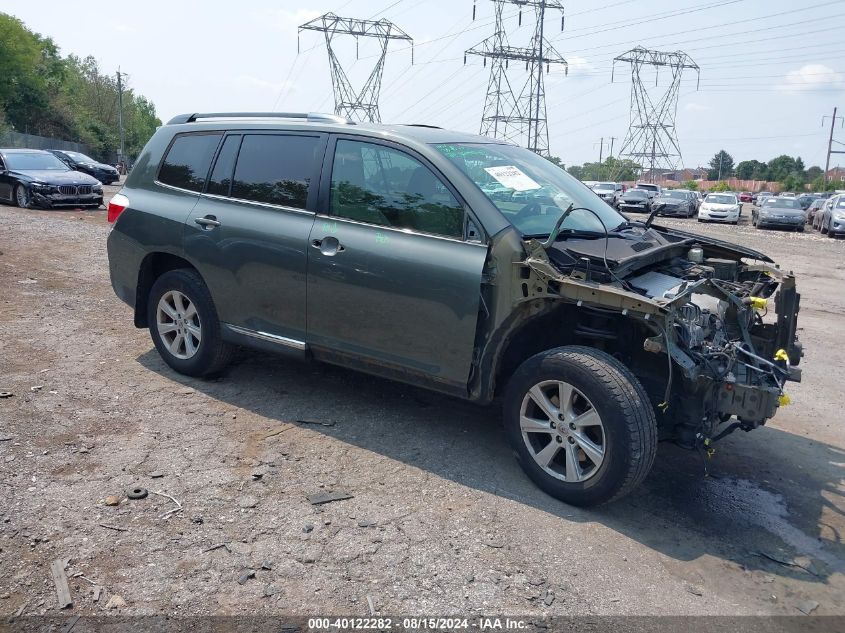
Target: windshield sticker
[{"x": 512, "y": 178}]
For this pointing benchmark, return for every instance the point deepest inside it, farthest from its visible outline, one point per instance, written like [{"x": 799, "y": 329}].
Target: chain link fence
[{"x": 31, "y": 141}]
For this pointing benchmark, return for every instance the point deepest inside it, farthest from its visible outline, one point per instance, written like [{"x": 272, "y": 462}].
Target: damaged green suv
[{"x": 459, "y": 263}]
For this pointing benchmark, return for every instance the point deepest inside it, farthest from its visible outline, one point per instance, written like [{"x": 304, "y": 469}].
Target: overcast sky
[{"x": 770, "y": 69}]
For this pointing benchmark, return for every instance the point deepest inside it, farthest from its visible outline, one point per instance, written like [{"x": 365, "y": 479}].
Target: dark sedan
[
  {"x": 636, "y": 200},
  {"x": 106, "y": 174},
  {"x": 31, "y": 177},
  {"x": 781, "y": 212},
  {"x": 674, "y": 202}
]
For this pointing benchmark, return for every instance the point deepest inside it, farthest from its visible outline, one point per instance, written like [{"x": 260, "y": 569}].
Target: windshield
[
  {"x": 636, "y": 193},
  {"x": 80, "y": 158},
  {"x": 605, "y": 186},
  {"x": 680, "y": 195},
  {"x": 24, "y": 161},
  {"x": 717, "y": 199},
  {"x": 783, "y": 203},
  {"x": 536, "y": 192}
]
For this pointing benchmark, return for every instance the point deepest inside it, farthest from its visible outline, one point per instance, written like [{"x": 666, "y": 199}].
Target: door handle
[
  {"x": 328, "y": 246},
  {"x": 208, "y": 222}
]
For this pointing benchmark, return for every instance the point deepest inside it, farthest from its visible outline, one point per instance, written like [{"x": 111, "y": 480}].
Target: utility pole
[
  {"x": 121, "y": 156},
  {"x": 721, "y": 154},
  {"x": 612, "y": 139},
  {"x": 357, "y": 105},
  {"x": 519, "y": 117},
  {"x": 601, "y": 149},
  {"x": 830, "y": 149}
]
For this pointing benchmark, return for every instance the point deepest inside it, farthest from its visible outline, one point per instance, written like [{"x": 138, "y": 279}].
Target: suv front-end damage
[{"x": 691, "y": 300}]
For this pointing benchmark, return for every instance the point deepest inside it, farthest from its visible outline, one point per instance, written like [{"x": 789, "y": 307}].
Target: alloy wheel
[
  {"x": 563, "y": 431},
  {"x": 21, "y": 197},
  {"x": 179, "y": 324}
]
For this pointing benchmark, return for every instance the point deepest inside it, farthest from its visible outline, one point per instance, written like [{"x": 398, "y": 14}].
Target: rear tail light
[{"x": 116, "y": 206}]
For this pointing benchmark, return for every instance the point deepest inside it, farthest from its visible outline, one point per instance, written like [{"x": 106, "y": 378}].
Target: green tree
[
  {"x": 692, "y": 185},
  {"x": 556, "y": 161},
  {"x": 42, "y": 92},
  {"x": 820, "y": 185},
  {"x": 721, "y": 186},
  {"x": 721, "y": 166},
  {"x": 781, "y": 166},
  {"x": 813, "y": 173},
  {"x": 752, "y": 170}
]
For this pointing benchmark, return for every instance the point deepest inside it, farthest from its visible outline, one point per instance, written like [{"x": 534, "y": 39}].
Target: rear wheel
[
  {"x": 581, "y": 425},
  {"x": 184, "y": 325}
]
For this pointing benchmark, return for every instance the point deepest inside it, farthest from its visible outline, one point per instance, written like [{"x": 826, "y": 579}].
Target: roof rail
[
  {"x": 308, "y": 116},
  {"x": 433, "y": 127}
]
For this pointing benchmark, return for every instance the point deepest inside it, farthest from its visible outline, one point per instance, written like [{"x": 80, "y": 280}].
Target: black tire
[
  {"x": 628, "y": 420},
  {"x": 212, "y": 353},
  {"x": 19, "y": 188}
]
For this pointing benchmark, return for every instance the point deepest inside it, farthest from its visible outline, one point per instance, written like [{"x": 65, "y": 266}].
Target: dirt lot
[{"x": 441, "y": 519}]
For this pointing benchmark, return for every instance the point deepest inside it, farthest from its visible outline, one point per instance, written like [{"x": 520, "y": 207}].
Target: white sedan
[{"x": 719, "y": 207}]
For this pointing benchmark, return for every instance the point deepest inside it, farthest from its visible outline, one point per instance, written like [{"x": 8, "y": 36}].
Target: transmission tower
[
  {"x": 363, "y": 105},
  {"x": 519, "y": 117},
  {"x": 651, "y": 137}
]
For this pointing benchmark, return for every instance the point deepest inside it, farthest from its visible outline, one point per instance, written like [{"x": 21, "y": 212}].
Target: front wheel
[
  {"x": 22, "y": 197},
  {"x": 581, "y": 425},
  {"x": 184, "y": 325}
]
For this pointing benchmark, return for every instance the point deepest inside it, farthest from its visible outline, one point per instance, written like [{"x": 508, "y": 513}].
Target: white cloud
[
  {"x": 812, "y": 76},
  {"x": 696, "y": 107}
]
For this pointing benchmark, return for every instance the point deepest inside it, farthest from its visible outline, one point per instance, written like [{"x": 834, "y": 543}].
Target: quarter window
[
  {"x": 221, "y": 176},
  {"x": 375, "y": 184},
  {"x": 275, "y": 169},
  {"x": 187, "y": 161}
]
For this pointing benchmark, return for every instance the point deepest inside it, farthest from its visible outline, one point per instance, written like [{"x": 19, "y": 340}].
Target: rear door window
[
  {"x": 379, "y": 185},
  {"x": 276, "y": 169},
  {"x": 187, "y": 161}
]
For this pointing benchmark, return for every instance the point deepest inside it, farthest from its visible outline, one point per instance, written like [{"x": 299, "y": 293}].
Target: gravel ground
[{"x": 440, "y": 520}]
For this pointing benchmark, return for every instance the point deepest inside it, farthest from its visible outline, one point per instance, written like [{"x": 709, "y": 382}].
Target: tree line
[
  {"x": 70, "y": 98},
  {"x": 787, "y": 170}
]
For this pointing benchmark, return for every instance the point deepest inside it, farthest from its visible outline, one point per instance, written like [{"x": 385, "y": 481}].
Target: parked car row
[
  {"x": 784, "y": 210},
  {"x": 52, "y": 179},
  {"x": 829, "y": 217}
]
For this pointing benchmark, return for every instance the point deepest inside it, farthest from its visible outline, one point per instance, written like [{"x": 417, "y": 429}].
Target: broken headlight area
[
  {"x": 726, "y": 329},
  {"x": 732, "y": 362}
]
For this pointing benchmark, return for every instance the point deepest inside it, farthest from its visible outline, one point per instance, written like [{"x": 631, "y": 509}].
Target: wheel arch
[
  {"x": 543, "y": 324},
  {"x": 153, "y": 266}
]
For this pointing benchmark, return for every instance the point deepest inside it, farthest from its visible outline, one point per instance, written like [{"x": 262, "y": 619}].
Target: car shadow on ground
[{"x": 770, "y": 495}]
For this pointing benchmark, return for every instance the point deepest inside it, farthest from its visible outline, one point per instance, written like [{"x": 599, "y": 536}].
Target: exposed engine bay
[{"x": 724, "y": 319}]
